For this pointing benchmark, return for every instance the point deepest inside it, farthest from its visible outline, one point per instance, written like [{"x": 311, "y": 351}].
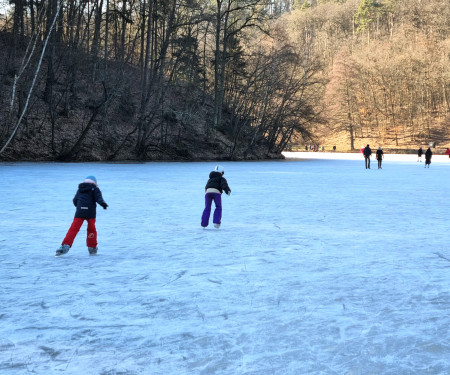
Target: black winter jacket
[
  {"x": 217, "y": 181},
  {"x": 367, "y": 151},
  {"x": 86, "y": 199}
]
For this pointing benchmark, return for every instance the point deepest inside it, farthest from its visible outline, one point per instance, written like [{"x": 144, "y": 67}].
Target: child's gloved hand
[
  {"x": 229, "y": 192},
  {"x": 104, "y": 205}
]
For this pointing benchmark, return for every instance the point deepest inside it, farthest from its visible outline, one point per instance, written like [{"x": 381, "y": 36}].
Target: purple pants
[{"x": 217, "y": 198}]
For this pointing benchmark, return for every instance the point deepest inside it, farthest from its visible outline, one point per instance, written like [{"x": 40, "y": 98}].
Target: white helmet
[{"x": 219, "y": 168}]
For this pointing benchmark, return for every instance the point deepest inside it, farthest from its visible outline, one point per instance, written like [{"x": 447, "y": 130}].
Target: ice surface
[{"x": 320, "y": 267}]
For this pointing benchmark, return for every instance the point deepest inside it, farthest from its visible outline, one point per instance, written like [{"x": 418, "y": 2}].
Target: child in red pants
[{"x": 85, "y": 200}]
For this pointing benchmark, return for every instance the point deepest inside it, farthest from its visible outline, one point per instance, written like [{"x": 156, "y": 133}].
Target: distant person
[
  {"x": 306, "y": 148},
  {"x": 367, "y": 152},
  {"x": 85, "y": 200},
  {"x": 447, "y": 152},
  {"x": 419, "y": 154},
  {"x": 380, "y": 156},
  {"x": 323, "y": 148},
  {"x": 334, "y": 148},
  {"x": 428, "y": 156},
  {"x": 362, "y": 150},
  {"x": 213, "y": 192}
]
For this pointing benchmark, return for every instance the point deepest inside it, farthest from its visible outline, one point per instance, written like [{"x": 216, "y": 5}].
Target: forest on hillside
[
  {"x": 387, "y": 69},
  {"x": 229, "y": 79}
]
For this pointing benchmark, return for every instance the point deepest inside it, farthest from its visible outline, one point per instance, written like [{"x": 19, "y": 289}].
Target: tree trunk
[
  {"x": 223, "y": 61},
  {"x": 106, "y": 36},
  {"x": 50, "y": 80},
  {"x": 142, "y": 51},
  {"x": 124, "y": 31},
  {"x": 96, "y": 38},
  {"x": 217, "y": 104}
]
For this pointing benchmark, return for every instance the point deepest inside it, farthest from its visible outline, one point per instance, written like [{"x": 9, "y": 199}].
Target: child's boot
[
  {"x": 64, "y": 249},
  {"x": 92, "y": 250}
]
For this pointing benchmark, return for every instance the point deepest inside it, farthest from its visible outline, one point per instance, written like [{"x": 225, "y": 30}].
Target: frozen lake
[{"x": 320, "y": 267}]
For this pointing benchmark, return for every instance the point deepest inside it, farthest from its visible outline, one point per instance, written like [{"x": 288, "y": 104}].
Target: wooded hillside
[
  {"x": 109, "y": 79},
  {"x": 387, "y": 64},
  {"x": 194, "y": 79}
]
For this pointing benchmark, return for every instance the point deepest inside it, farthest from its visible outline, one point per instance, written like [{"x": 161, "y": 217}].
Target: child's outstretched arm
[
  {"x": 225, "y": 187},
  {"x": 99, "y": 198}
]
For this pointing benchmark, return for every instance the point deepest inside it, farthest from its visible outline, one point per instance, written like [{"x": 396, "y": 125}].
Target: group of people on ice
[
  {"x": 89, "y": 194},
  {"x": 428, "y": 156},
  {"x": 367, "y": 152}
]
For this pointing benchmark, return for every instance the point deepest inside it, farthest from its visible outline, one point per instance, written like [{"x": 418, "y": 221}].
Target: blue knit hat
[{"x": 91, "y": 178}]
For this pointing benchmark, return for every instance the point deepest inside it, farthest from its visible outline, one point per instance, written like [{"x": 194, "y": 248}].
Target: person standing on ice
[
  {"x": 85, "y": 200},
  {"x": 367, "y": 153},
  {"x": 419, "y": 154},
  {"x": 380, "y": 156},
  {"x": 428, "y": 155},
  {"x": 213, "y": 192}
]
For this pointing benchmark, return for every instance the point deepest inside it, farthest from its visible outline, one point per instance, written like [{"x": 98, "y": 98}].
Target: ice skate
[
  {"x": 92, "y": 250},
  {"x": 64, "y": 249},
  {"x": 217, "y": 226}
]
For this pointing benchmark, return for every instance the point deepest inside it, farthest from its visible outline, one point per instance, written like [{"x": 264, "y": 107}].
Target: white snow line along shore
[{"x": 358, "y": 156}]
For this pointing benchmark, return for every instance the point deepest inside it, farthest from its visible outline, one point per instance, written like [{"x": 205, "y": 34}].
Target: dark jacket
[
  {"x": 367, "y": 151},
  {"x": 217, "y": 181},
  {"x": 86, "y": 199},
  {"x": 428, "y": 155},
  {"x": 420, "y": 152},
  {"x": 379, "y": 154}
]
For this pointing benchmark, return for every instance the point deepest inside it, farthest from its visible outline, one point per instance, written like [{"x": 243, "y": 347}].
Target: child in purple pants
[{"x": 213, "y": 189}]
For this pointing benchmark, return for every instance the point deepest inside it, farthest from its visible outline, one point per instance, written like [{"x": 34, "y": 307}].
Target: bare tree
[{"x": 38, "y": 67}]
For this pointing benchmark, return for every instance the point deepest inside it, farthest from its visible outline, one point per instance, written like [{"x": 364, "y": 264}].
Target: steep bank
[{"x": 92, "y": 112}]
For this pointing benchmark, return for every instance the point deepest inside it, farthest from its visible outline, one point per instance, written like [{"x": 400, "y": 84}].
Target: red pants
[{"x": 91, "y": 239}]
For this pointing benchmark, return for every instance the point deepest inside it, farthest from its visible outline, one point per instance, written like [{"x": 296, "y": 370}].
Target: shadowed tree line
[{"x": 109, "y": 79}]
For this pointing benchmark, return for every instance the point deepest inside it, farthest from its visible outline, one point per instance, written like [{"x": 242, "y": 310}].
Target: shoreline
[
  {"x": 285, "y": 155},
  {"x": 302, "y": 155}
]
